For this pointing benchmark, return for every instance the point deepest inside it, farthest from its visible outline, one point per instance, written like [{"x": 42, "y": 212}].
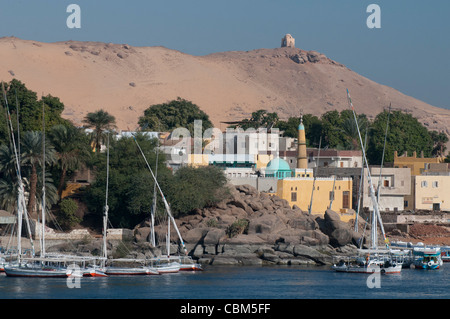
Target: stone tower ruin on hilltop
[{"x": 288, "y": 41}]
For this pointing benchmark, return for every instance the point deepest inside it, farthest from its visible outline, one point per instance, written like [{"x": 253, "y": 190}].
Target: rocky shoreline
[
  {"x": 254, "y": 228},
  {"x": 251, "y": 228}
]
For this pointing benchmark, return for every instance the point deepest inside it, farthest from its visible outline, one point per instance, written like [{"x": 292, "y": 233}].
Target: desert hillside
[{"x": 125, "y": 80}]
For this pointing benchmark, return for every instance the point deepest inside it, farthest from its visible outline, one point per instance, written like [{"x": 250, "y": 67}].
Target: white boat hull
[
  {"x": 368, "y": 270},
  {"x": 94, "y": 272},
  {"x": 169, "y": 268},
  {"x": 36, "y": 272},
  {"x": 190, "y": 267},
  {"x": 124, "y": 271}
]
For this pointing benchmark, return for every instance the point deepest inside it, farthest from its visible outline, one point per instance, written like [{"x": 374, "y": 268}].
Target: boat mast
[
  {"x": 361, "y": 181},
  {"x": 43, "y": 181},
  {"x": 315, "y": 176},
  {"x": 21, "y": 198},
  {"x": 382, "y": 158},
  {"x": 376, "y": 212},
  {"x": 166, "y": 204},
  {"x": 153, "y": 211},
  {"x": 106, "y": 208}
]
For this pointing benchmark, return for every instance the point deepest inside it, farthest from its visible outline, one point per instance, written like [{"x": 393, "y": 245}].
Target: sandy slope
[{"x": 125, "y": 80}]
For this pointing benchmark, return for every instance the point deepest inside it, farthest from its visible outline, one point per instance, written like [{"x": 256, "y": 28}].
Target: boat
[
  {"x": 179, "y": 263},
  {"x": 167, "y": 267},
  {"x": 122, "y": 267},
  {"x": 94, "y": 271},
  {"x": 380, "y": 261},
  {"x": 188, "y": 264},
  {"x": 371, "y": 259},
  {"x": 30, "y": 266},
  {"x": 427, "y": 258},
  {"x": 38, "y": 267},
  {"x": 445, "y": 253}
]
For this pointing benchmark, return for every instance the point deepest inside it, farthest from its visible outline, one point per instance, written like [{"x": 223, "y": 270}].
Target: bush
[
  {"x": 238, "y": 227},
  {"x": 196, "y": 188},
  {"x": 67, "y": 215}
]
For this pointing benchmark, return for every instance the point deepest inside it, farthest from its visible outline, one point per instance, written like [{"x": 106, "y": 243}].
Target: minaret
[{"x": 302, "y": 161}]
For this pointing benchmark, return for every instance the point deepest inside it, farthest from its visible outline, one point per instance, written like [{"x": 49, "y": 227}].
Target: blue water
[{"x": 277, "y": 282}]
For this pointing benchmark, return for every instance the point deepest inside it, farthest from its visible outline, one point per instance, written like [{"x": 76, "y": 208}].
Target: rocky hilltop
[
  {"x": 256, "y": 228},
  {"x": 228, "y": 86}
]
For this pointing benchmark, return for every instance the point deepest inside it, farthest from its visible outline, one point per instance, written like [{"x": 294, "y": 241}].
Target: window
[
  {"x": 435, "y": 184},
  {"x": 293, "y": 196},
  {"x": 386, "y": 183},
  {"x": 331, "y": 195},
  {"x": 424, "y": 184}
]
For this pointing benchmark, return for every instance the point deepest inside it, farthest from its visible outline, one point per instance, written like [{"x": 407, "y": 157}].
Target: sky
[{"x": 409, "y": 52}]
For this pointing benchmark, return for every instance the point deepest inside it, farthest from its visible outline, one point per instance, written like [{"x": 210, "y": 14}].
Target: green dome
[{"x": 278, "y": 168}]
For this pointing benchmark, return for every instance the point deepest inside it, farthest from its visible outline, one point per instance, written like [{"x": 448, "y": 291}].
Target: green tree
[
  {"x": 72, "y": 150},
  {"x": 313, "y": 128},
  {"x": 172, "y": 115},
  {"x": 405, "y": 133},
  {"x": 67, "y": 217},
  {"x": 350, "y": 130},
  {"x": 195, "y": 188},
  {"x": 130, "y": 182},
  {"x": 439, "y": 143},
  {"x": 100, "y": 121},
  {"x": 25, "y": 104},
  {"x": 260, "y": 118},
  {"x": 32, "y": 157},
  {"x": 8, "y": 181},
  {"x": 333, "y": 136}
]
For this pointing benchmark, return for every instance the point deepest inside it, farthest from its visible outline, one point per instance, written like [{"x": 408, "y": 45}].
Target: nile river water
[{"x": 220, "y": 282}]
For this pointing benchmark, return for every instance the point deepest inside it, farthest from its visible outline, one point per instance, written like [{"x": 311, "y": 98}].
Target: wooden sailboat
[
  {"x": 369, "y": 260},
  {"x": 121, "y": 266},
  {"x": 31, "y": 267},
  {"x": 170, "y": 263}
]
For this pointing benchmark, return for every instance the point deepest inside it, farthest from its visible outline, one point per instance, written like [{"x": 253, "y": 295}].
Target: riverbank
[{"x": 248, "y": 228}]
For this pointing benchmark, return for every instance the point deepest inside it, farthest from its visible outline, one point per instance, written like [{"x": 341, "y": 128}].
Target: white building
[{"x": 395, "y": 185}]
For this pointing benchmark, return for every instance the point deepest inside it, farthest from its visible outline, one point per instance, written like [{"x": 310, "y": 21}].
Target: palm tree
[
  {"x": 8, "y": 180},
  {"x": 100, "y": 121},
  {"x": 350, "y": 131},
  {"x": 32, "y": 158},
  {"x": 71, "y": 150}
]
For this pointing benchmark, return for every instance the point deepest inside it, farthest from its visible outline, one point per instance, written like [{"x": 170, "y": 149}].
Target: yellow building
[
  {"x": 298, "y": 191},
  {"x": 431, "y": 192},
  {"x": 416, "y": 164}
]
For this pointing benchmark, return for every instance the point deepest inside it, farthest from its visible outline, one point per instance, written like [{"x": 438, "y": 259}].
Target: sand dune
[{"x": 125, "y": 80}]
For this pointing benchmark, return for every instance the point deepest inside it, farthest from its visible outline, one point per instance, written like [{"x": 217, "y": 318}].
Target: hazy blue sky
[{"x": 411, "y": 51}]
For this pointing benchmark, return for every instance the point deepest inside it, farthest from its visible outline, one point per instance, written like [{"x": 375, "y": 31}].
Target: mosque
[{"x": 312, "y": 194}]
